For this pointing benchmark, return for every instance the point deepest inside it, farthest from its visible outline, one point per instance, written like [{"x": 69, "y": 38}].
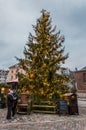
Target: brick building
[{"x": 80, "y": 81}]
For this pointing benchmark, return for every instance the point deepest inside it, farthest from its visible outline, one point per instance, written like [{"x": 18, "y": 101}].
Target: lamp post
[{"x": 2, "y": 90}]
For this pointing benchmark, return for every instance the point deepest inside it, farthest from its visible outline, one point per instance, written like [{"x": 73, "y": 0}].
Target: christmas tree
[{"x": 44, "y": 56}]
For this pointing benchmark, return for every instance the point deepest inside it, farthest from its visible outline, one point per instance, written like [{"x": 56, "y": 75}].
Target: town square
[{"x": 42, "y": 65}]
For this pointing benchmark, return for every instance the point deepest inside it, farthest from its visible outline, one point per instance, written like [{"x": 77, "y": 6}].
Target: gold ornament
[
  {"x": 44, "y": 65},
  {"x": 73, "y": 97},
  {"x": 31, "y": 76}
]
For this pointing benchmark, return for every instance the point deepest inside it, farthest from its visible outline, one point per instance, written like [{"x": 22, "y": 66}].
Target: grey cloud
[
  {"x": 2, "y": 43},
  {"x": 17, "y": 17},
  {"x": 78, "y": 19}
]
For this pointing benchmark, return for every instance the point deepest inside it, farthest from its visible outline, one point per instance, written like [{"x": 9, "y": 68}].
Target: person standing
[
  {"x": 9, "y": 104},
  {"x": 15, "y": 102}
]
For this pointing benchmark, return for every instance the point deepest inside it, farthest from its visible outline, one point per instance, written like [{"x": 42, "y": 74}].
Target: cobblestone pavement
[{"x": 45, "y": 121}]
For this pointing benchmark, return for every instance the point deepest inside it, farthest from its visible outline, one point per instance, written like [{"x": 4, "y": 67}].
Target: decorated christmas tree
[{"x": 44, "y": 56}]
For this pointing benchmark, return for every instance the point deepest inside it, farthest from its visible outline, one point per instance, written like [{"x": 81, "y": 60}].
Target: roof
[
  {"x": 13, "y": 66},
  {"x": 16, "y": 80},
  {"x": 84, "y": 68},
  {"x": 67, "y": 94}
]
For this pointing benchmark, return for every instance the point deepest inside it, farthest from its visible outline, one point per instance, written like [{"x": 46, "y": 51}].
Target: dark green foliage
[{"x": 44, "y": 55}]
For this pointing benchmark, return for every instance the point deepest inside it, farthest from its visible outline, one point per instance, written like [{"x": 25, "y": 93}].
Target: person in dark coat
[
  {"x": 15, "y": 101},
  {"x": 9, "y": 104}
]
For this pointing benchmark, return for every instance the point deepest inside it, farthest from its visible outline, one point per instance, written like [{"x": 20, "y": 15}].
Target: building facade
[
  {"x": 13, "y": 71},
  {"x": 80, "y": 81},
  {"x": 3, "y": 76}
]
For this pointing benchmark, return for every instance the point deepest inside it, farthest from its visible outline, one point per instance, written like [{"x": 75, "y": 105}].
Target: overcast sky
[{"x": 18, "y": 16}]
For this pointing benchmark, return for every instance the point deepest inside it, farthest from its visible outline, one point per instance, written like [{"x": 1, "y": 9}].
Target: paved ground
[{"x": 45, "y": 121}]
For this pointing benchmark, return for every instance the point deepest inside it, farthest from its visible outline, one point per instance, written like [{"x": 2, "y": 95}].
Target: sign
[{"x": 63, "y": 108}]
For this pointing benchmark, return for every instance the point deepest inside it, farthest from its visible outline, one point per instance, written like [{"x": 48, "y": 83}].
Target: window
[
  {"x": 11, "y": 77},
  {"x": 11, "y": 71},
  {"x": 84, "y": 77}
]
